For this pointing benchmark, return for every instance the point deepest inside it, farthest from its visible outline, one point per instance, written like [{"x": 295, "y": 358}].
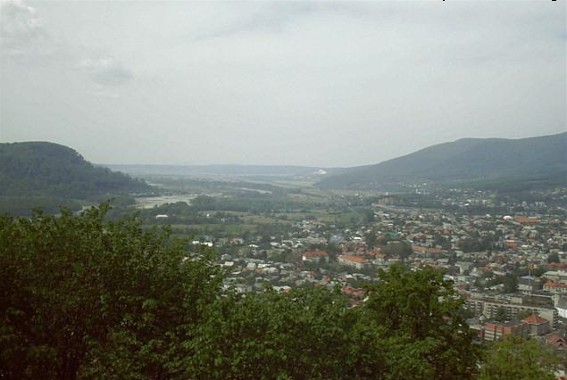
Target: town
[{"x": 506, "y": 256}]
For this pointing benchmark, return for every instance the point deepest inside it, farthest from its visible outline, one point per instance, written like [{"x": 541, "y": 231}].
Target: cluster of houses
[{"x": 510, "y": 268}]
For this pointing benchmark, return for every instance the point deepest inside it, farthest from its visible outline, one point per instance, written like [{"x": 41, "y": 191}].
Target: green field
[{"x": 231, "y": 208}]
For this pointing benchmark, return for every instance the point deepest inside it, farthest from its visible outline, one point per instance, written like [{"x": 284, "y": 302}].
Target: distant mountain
[
  {"x": 467, "y": 159},
  {"x": 47, "y": 171}
]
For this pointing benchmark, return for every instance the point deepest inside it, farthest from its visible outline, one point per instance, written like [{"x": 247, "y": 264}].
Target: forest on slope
[
  {"x": 47, "y": 175},
  {"x": 542, "y": 159}
]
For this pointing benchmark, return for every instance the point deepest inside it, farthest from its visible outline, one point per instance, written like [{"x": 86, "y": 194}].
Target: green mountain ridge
[
  {"x": 465, "y": 160},
  {"x": 40, "y": 173}
]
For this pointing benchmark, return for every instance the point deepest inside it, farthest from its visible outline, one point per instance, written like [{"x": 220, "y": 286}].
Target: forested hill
[
  {"x": 465, "y": 160},
  {"x": 42, "y": 169}
]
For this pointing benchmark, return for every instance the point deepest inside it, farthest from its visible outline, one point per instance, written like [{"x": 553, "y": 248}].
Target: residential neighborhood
[{"x": 510, "y": 267}]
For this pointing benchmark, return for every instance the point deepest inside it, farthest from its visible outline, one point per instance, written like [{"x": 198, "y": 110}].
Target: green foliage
[
  {"x": 301, "y": 334},
  {"x": 371, "y": 239},
  {"x": 310, "y": 333},
  {"x": 479, "y": 244},
  {"x": 95, "y": 299},
  {"x": 255, "y": 203},
  {"x": 500, "y": 315},
  {"x": 23, "y": 205},
  {"x": 553, "y": 258},
  {"x": 368, "y": 215},
  {"x": 517, "y": 358},
  {"x": 398, "y": 248},
  {"x": 510, "y": 282},
  {"x": 421, "y": 315}
]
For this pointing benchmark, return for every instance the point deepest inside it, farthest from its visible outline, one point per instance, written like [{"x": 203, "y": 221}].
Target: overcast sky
[{"x": 292, "y": 83}]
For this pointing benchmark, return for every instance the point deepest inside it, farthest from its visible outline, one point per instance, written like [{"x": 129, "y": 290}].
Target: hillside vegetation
[
  {"x": 41, "y": 174},
  {"x": 541, "y": 158}
]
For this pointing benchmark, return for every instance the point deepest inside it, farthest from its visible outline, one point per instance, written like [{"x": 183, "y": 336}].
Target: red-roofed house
[
  {"x": 315, "y": 256},
  {"x": 556, "y": 341},
  {"x": 555, "y": 287},
  {"x": 356, "y": 293},
  {"x": 358, "y": 262},
  {"x": 537, "y": 325},
  {"x": 512, "y": 244},
  {"x": 496, "y": 330},
  {"x": 523, "y": 219}
]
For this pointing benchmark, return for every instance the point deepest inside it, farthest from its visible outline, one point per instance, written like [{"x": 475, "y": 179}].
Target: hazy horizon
[
  {"x": 301, "y": 83},
  {"x": 308, "y": 166}
]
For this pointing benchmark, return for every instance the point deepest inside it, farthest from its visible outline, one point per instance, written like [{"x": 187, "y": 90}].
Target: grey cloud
[
  {"x": 259, "y": 17},
  {"x": 20, "y": 26},
  {"x": 107, "y": 71}
]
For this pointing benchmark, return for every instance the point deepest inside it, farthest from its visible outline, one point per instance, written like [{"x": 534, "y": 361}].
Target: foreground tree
[
  {"x": 81, "y": 297},
  {"x": 402, "y": 249},
  {"x": 423, "y": 320},
  {"x": 295, "y": 335},
  {"x": 85, "y": 298},
  {"x": 518, "y": 358},
  {"x": 410, "y": 327}
]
